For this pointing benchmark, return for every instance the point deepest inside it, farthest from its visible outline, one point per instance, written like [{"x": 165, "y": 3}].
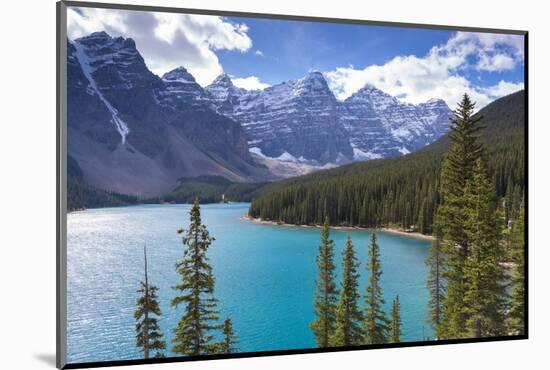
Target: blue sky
[
  {"x": 411, "y": 64},
  {"x": 291, "y": 48}
]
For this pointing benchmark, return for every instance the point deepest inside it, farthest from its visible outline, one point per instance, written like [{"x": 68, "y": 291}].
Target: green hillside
[
  {"x": 209, "y": 189},
  {"x": 398, "y": 191}
]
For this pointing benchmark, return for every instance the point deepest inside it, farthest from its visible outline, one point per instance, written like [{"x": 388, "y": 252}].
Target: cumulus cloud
[
  {"x": 259, "y": 53},
  {"x": 503, "y": 88},
  {"x": 439, "y": 73},
  {"x": 249, "y": 83},
  {"x": 166, "y": 40}
]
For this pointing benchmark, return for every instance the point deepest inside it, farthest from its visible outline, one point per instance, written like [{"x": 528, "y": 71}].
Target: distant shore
[{"x": 387, "y": 230}]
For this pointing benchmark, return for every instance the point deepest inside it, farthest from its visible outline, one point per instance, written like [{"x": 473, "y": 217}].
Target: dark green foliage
[
  {"x": 209, "y": 189},
  {"x": 484, "y": 276},
  {"x": 376, "y": 324},
  {"x": 435, "y": 283},
  {"x": 400, "y": 191},
  {"x": 348, "y": 314},
  {"x": 80, "y": 195},
  {"x": 517, "y": 242},
  {"x": 451, "y": 218},
  {"x": 193, "y": 335},
  {"x": 326, "y": 294},
  {"x": 395, "y": 329},
  {"x": 470, "y": 226},
  {"x": 230, "y": 342},
  {"x": 148, "y": 334}
]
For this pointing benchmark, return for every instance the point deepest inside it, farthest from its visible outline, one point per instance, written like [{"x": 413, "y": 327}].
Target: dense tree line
[
  {"x": 339, "y": 318},
  {"x": 209, "y": 189},
  {"x": 400, "y": 191},
  {"x": 467, "y": 279}
]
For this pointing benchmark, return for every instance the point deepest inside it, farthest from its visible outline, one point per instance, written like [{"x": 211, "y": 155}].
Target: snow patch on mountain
[
  {"x": 285, "y": 157},
  {"x": 87, "y": 69},
  {"x": 404, "y": 150},
  {"x": 360, "y": 155}
]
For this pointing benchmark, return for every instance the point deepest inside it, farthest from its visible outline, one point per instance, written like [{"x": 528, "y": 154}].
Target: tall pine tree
[
  {"x": 326, "y": 294},
  {"x": 395, "y": 329},
  {"x": 457, "y": 170},
  {"x": 484, "y": 274},
  {"x": 517, "y": 241},
  {"x": 376, "y": 324},
  {"x": 148, "y": 334},
  {"x": 348, "y": 314},
  {"x": 193, "y": 335},
  {"x": 229, "y": 344}
]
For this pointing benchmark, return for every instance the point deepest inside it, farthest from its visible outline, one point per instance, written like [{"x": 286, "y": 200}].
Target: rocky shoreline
[{"x": 387, "y": 230}]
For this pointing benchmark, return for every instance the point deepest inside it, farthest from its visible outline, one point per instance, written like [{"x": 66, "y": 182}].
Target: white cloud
[
  {"x": 259, "y": 53},
  {"x": 249, "y": 83},
  {"x": 165, "y": 40},
  {"x": 438, "y": 74},
  {"x": 503, "y": 88},
  {"x": 494, "y": 63}
]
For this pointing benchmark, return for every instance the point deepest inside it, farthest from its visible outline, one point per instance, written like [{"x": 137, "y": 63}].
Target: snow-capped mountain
[
  {"x": 295, "y": 120},
  {"x": 179, "y": 90},
  {"x": 133, "y": 132},
  {"x": 223, "y": 94},
  {"x": 380, "y": 125},
  {"x": 302, "y": 121}
]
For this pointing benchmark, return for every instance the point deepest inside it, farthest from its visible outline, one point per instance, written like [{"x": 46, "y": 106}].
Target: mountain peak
[
  {"x": 370, "y": 89},
  {"x": 435, "y": 102},
  {"x": 179, "y": 74},
  {"x": 101, "y": 39},
  {"x": 95, "y": 36},
  {"x": 314, "y": 81},
  {"x": 374, "y": 96},
  {"x": 315, "y": 74},
  {"x": 223, "y": 79}
]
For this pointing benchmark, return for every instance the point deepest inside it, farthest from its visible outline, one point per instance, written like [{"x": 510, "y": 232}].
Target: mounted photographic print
[{"x": 235, "y": 184}]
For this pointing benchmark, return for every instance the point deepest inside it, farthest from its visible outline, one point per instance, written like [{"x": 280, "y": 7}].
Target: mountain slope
[
  {"x": 292, "y": 120},
  {"x": 400, "y": 191},
  {"x": 302, "y": 121},
  {"x": 132, "y": 132},
  {"x": 381, "y": 126}
]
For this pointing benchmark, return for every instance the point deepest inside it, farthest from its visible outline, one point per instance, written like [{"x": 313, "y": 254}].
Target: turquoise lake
[{"x": 265, "y": 276}]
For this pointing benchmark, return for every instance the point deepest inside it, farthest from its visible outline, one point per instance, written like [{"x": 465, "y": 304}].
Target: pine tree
[
  {"x": 456, "y": 171},
  {"x": 376, "y": 324},
  {"x": 435, "y": 283},
  {"x": 517, "y": 240},
  {"x": 148, "y": 334},
  {"x": 326, "y": 294},
  {"x": 193, "y": 335},
  {"x": 395, "y": 329},
  {"x": 348, "y": 314},
  {"x": 484, "y": 275},
  {"x": 230, "y": 342}
]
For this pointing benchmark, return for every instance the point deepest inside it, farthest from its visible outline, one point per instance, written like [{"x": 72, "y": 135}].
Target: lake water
[{"x": 265, "y": 277}]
